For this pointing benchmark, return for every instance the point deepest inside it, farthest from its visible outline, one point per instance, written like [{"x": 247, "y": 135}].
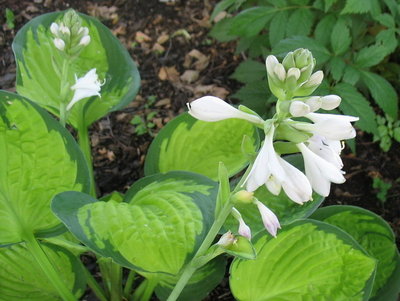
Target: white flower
[
  {"x": 54, "y": 28},
  {"x": 319, "y": 171},
  {"x": 243, "y": 230},
  {"x": 330, "y": 102},
  {"x": 315, "y": 79},
  {"x": 273, "y": 171},
  {"x": 227, "y": 239},
  {"x": 331, "y": 126},
  {"x": 327, "y": 149},
  {"x": 86, "y": 86},
  {"x": 211, "y": 108},
  {"x": 85, "y": 40},
  {"x": 314, "y": 102},
  {"x": 60, "y": 44},
  {"x": 84, "y": 30},
  {"x": 270, "y": 221},
  {"x": 298, "y": 108}
]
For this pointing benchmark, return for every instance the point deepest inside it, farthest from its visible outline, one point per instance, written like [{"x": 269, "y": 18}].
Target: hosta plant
[{"x": 219, "y": 182}]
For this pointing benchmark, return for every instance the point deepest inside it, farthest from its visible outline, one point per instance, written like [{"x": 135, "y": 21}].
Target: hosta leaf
[
  {"x": 200, "y": 284},
  {"x": 354, "y": 103},
  {"x": 189, "y": 144},
  {"x": 21, "y": 278},
  {"x": 38, "y": 159},
  {"x": 383, "y": 93},
  {"x": 251, "y": 21},
  {"x": 373, "y": 234},
  {"x": 309, "y": 260},
  {"x": 157, "y": 227},
  {"x": 286, "y": 210},
  {"x": 37, "y": 79}
]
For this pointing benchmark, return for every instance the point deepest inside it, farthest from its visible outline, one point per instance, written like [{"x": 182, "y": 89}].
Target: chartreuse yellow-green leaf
[
  {"x": 38, "y": 79},
  {"x": 21, "y": 278},
  {"x": 376, "y": 237},
  {"x": 38, "y": 159},
  {"x": 155, "y": 230},
  {"x": 189, "y": 144},
  {"x": 309, "y": 260}
]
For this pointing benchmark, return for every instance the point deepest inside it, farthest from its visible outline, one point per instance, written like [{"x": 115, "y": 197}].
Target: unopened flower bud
[
  {"x": 280, "y": 72},
  {"x": 243, "y": 230},
  {"x": 85, "y": 41},
  {"x": 64, "y": 29},
  {"x": 227, "y": 240},
  {"x": 295, "y": 72},
  {"x": 314, "y": 102},
  {"x": 315, "y": 79},
  {"x": 84, "y": 31},
  {"x": 288, "y": 62},
  {"x": 270, "y": 64},
  {"x": 243, "y": 196},
  {"x": 54, "y": 28},
  {"x": 60, "y": 45},
  {"x": 303, "y": 58},
  {"x": 299, "y": 108},
  {"x": 330, "y": 102}
]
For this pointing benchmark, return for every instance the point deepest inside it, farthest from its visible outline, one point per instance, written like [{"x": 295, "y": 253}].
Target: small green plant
[
  {"x": 382, "y": 188},
  {"x": 388, "y": 130},
  {"x": 10, "y": 18},
  {"x": 144, "y": 125}
]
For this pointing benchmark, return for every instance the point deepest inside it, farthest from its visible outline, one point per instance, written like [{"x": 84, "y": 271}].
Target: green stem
[
  {"x": 111, "y": 273},
  {"x": 84, "y": 143},
  {"x": 64, "y": 87},
  {"x": 145, "y": 290},
  {"x": 129, "y": 283},
  {"x": 52, "y": 275},
  {"x": 190, "y": 268},
  {"x": 95, "y": 287}
]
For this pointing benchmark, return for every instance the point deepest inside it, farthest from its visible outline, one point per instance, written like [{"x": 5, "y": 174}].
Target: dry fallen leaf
[
  {"x": 190, "y": 76},
  {"x": 169, "y": 73},
  {"x": 162, "y": 38},
  {"x": 141, "y": 37},
  {"x": 214, "y": 90},
  {"x": 158, "y": 48},
  {"x": 201, "y": 62}
]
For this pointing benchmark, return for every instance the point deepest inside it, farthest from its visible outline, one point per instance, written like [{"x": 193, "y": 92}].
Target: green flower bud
[{"x": 243, "y": 197}]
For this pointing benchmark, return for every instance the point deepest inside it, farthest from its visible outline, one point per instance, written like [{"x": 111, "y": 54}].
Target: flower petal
[{"x": 270, "y": 221}]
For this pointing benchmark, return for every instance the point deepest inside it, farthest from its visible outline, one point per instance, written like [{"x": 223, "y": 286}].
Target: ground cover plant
[{"x": 165, "y": 226}]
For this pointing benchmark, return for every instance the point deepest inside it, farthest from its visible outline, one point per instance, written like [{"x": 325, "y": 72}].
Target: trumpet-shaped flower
[
  {"x": 276, "y": 173},
  {"x": 327, "y": 149},
  {"x": 319, "y": 171},
  {"x": 86, "y": 86},
  {"x": 331, "y": 126},
  {"x": 270, "y": 221},
  {"x": 211, "y": 108},
  {"x": 243, "y": 230}
]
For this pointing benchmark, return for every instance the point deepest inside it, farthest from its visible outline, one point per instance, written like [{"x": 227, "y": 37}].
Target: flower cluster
[
  {"x": 69, "y": 36},
  {"x": 319, "y": 140}
]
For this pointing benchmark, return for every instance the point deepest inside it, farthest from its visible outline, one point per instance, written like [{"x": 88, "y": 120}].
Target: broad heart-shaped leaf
[
  {"x": 286, "y": 210},
  {"x": 200, "y": 284},
  {"x": 375, "y": 236},
  {"x": 309, "y": 260},
  {"x": 186, "y": 143},
  {"x": 38, "y": 159},
  {"x": 21, "y": 278},
  {"x": 157, "y": 228},
  {"x": 38, "y": 80}
]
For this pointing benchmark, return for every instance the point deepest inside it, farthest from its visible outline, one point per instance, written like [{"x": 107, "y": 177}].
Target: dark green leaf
[
  {"x": 356, "y": 7},
  {"x": 370, "y": 56},
  {"x": 221, "y": 6},
  {"x": 249, "y": 71},
  {"x": 300, "y": 23},
  {"x": 340, "y": 37},
  {"x": 383, "y": 93},
  {"x": 336, "y": 67},
  {"x": 220, "y": 31},
  {"x": 251, "y": 21},
  {"x": 278, "y": 23},
  {"x": 324, "y": 29},
  {"x": 351, "y": 75},
  {"x": 355, "y": 104},
  {"x": 254, "y": 95}
]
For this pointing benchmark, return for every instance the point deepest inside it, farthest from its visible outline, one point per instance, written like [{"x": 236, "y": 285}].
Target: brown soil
[{"x": 142, "y": 26}]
